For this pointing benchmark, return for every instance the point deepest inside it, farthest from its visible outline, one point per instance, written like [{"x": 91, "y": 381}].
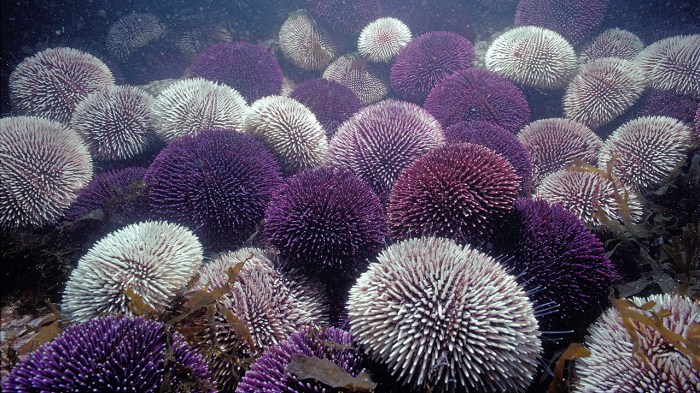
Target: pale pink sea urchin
[
  {"x": 354, "y": 72},
  {"x": 306, "y": 43},
  {"x": 383, "y": 39},
  {"x": 673, "y": 64},
  {"x": 612, "y": 43},
  {"x": 132, "y": 32}
]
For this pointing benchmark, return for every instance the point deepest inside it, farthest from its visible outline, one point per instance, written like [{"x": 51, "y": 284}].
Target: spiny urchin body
[
  {"x": 132, "y": 32},
  {"x": 382, "y": 140},
  {"x": 190, "y": 105},
  {"x": 576, "y": 20},
  {"x": 445, "y": 316},
  {"x": 306, "y": 43},
  {"x": 290, "y": 130},
  {"x": 51, "y": 83},
  {"x": 325, "y": 218},
  {"x": 614, "y": 365},
  {"x": 218, "y": 181},
  {"x": 498, "y": 139},
  {"x": 592, "y": 197},
  {"x": 555, "y": 143},
  {"x": 383, "y": 39},
  {"x": 248, "y": 68},
  {"x": 673, "y": 64},
  {"x": 152, "y": 258},
  {"x": 646, "y": 150},
  {"x": 43, "y": 165},
  {"x": 478, "y": 94},
  {"x": 427, "y": 60},
  {"x": 115, "y": 123},
  {"x": 268, "y": 373},
  {"x": 330, "y": 101},
  {"x": 532, "y": 56},
  {"x": 602, "y": 90},
  {"x": 665, "y": 103},
  {"x": 612, "y": 43},
  {"x": 459, "y": 191},
  {"x": 112, "y": 354},
  {"x": 354, "y": 72},
  {"x": 348, "y": 17}
]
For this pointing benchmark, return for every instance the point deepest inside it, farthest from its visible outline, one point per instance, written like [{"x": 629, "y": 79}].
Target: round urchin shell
[
  {"x": 559, "y": 262},
  {"x": 532, "y": 56},
  {"x": 498, "y": 139},
  {"x": 330, "y": 101},
  {"x": 153, "y": 258},
  {"x": 111, "y": 354},
  {"x": 306, "y": 44},
  {"x": 382, "y": 140},
  {"x": 612, "y": 43},
  {"x": 348, "y": 17},
  {"x": 132, "y": 32},
  {"x": 119, "y": 194},
  {"x": 43, "y": 165},
  {"x": 427, "y": 60},
  {"x": 646, "y": 150},
  {"x": 188, "y": 106},
  {"x": 353, "y": 71},
  {"x": 576, "y": 20},
  {"x": 52, "y": 82},
  {"x": 290, "y": 130},
  {"x": 248, "y": 68},
  {"x": 459, "y": 191},
  {"x": 602, "y": 90},
  {"x": 270, "y": 304},
  {"x": 383, "y": 39},
  {"x": 218, "y": 181},
  {"x": 446, "y": 316},
  {"x": 673, "y": 64},
  {"x": 115, "y": 123},
  {"x": 589, "y": 195},
  {"x": 555, "y": 143},
  {"x": 478, "y": 94},
  {"x": 614, "y": 365},
  {"x": 325, "y": 218},
  {"x": 268, "y": 373}
]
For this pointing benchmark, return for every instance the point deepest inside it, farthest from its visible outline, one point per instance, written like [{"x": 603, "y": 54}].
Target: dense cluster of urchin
[
  {"x": 51, "y": 83},
  {"x": 354, "y": 72},
  {"x": 330, "y": 101},
  {"x": 673, "y": 64},
  {"x": 532, "y": 56},
  {"x": 132, "y": 32},
  {"x": 43, "y": 165},
  {"x": 382, "y": 140},
  {"x": 115, "y": 123},
  {"x": 112, "y": 354},
  {"x": 615, "y": 365},
  {"x": 153, "y": 259},
  {"x": 612, "y": 43},
  {"x": 383, "y": 39},
  {"x": 459, "y": 191},
  {"x": 190, "y": 105},
  {"x": 306, "y": 43},
  {"x": 445, "y": 316},
  {"x": 646, "y": 150},
  {"x": 269, "y": 372}
]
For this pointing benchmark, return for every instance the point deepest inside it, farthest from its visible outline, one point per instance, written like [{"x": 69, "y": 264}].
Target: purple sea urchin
[
  {"x": 218, "y": 181},
  {"x": 459, "y": 191},
  {"x": 427, "y": 60},
  {"x": 115, "y": 123},
  {"x": 330, "y": 101},
  {"x": 383, "y": 39},
  {"x": 616, "y": 364},
  {"x": 325, "y": 218},
  {"x": 354, "y": 72},
  {"x": 555, "y": 143},
  {"x": 307, "y": 44},
  {"x": 532, "y": 56},
  {"x": 290, "y": 130},
  {"x": 347, "y": 16},
  {"x": 248, "y": 68},
  {"x": 575, "y": 20},
  {"x": 602, "y": 90},
  {"x": 665, "y": 103},
  {"x": 111, "y": 354},
  {"x": 43, "y": 165},
  {"x": 478, "y": 94},
  {"x": 131, "y": 32},
  {"x": 612, "y": 43},
  {"x": 188, "y": 106},
  {"x": 154, "y": 259},
  {"x": 269, "y": 372},
  {"x": 646, "y": 150},
  {"x": 381, "y": 140},
  {"x": 445, "y": 316},
  {"x": 673, "y": 64},
  {"x": 52, "y": 82}
]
